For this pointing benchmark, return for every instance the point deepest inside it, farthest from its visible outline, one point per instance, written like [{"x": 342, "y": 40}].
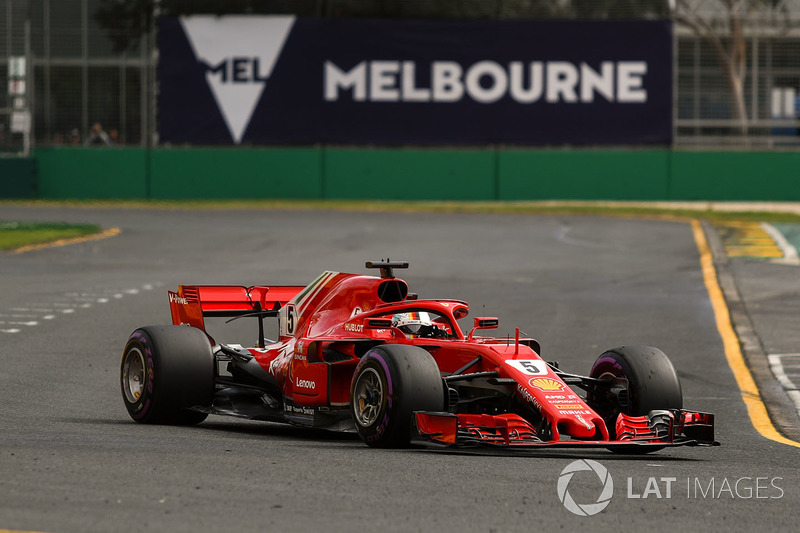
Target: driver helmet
[{"x": 413, "y": 324}]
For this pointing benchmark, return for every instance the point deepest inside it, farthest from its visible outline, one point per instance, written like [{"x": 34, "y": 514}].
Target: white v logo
[{"x": 240, "y": 53}]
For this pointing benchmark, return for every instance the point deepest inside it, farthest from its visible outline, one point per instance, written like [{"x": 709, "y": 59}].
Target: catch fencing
[{"x": 66, "y": 65}]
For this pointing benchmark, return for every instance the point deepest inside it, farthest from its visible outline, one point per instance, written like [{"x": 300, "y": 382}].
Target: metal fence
[
  {"x": 74, "y": 77},
  {"x": 71, "y": 64}
]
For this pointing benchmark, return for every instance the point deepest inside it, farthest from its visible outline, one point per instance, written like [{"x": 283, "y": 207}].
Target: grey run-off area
[{"x": 72, "y": 460}]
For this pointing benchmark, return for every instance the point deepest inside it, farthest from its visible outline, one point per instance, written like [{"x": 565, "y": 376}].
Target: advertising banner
[{"x": 286, "y": 80}]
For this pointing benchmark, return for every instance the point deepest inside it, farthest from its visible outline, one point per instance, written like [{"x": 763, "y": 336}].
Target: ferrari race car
[{"x": 357, "y": 352}]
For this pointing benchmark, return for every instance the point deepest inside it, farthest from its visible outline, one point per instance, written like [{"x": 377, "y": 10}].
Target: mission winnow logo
[{"x": 239, "y": 54}]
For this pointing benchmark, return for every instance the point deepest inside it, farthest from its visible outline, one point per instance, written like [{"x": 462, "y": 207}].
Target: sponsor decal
[
  {"x": 305, "y": 384},
  {"x": 298, "y": 409},
  {"x": 566, "y": 405},
  {"x": 528, "y": 397},
  {"x": 356, "y": 328},
  {"x": 576, "y": 412},
  {"x": 546, "y": 384},
  {"x": 174, "y": 298}
]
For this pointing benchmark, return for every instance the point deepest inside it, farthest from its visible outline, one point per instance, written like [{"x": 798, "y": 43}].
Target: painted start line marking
[{"x": 19, "y": 318}]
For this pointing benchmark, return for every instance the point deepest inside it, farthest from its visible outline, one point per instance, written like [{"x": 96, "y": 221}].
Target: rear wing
[{"x": 194, "y": 302}]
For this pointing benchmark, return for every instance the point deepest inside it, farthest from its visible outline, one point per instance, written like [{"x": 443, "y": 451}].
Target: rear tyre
[
  {"x": 165, "y": 371},
  {"x": 652, "y": 384},
  {"x": 390, "y": 383}
]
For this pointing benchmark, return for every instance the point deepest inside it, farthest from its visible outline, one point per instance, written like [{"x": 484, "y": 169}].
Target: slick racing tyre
[
  {"x": 165, "y": 371},
  {"x": 652, "y": 384},
  {"x": 390, "y": 383}
]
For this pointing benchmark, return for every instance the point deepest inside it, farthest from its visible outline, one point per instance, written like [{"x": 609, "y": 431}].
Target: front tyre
[
  {"x": 165, "y": 371},
  {"x": 390, "y": 383},
  {"x": 653, "y": 384}
]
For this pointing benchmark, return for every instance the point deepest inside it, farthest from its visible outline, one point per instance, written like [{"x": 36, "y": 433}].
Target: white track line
[
  {"x": 68, "y": 303},
  {"x": 776, "y": 365},
  {"x": 790, "y": 256}
]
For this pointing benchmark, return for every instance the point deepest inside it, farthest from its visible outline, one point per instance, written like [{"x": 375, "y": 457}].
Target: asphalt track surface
[{"x": 72, "y": 460}]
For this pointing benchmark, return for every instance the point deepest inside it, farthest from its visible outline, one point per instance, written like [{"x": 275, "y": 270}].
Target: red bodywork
[{"x": 327, "y": 326}]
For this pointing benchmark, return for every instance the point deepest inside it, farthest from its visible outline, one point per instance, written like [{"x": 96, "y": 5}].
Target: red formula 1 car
[{"x": 360, "y": 352}]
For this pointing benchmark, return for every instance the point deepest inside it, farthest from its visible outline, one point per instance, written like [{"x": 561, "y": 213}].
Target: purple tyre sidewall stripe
[
  {"x": 150, "y": 374},
  {"x": 610, "y": 360},
  {"x": 388, "y": 374}
]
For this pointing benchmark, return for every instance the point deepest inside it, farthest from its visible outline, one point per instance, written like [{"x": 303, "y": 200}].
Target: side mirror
[
  {"x": 483, "y": 322},
  {"x": 486, "y": 322}
]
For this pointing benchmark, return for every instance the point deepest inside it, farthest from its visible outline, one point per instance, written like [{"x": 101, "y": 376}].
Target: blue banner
[{"x": 286, "y": 80}]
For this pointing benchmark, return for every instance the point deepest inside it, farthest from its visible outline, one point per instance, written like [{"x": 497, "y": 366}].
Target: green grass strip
[
  {"x": 713, "y": 211},
  {"x": 16, "y": 234}
]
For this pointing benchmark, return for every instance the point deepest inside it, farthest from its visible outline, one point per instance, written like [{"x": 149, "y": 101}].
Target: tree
[
  {"x": 724, "y": 31},
  {"x": 126, "y": 21}
]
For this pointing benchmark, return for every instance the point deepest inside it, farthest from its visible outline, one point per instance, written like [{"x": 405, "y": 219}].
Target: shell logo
[{"x": 546, "y": 384}]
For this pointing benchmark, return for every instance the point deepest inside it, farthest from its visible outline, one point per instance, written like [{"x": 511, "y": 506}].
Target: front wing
[{"x": 659, "y": 429}]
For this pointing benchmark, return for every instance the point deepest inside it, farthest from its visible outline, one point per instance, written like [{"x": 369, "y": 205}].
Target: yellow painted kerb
[
  {"x": 63, "y": 242},
  {"x": 733, "y": 353}
]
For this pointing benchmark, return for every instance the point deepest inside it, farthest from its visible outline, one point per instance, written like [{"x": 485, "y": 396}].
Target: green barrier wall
[
  {"x": 736, "y": 176},
  {"x": 409, "y": 174},
  {"x": 241, "y": 173},
  {"x": 583, "y": 175},
  {"x": 91, "y": 173},
  {"x": 414, "y": 174},
  {"x": 17, "y": 177}
]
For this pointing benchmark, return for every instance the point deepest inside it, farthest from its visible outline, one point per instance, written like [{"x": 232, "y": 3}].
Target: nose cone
[{"x": 581, "y": 426}]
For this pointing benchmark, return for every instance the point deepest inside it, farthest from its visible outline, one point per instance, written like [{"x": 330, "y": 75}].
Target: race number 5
[
  {"x": 289, "y": 322},
  {"x": 531, "y": 367}
]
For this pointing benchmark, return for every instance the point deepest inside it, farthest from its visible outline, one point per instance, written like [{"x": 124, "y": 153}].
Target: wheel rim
[
  {"x": 368, "y": 397},
  {"x": 133, "y": 371}
]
